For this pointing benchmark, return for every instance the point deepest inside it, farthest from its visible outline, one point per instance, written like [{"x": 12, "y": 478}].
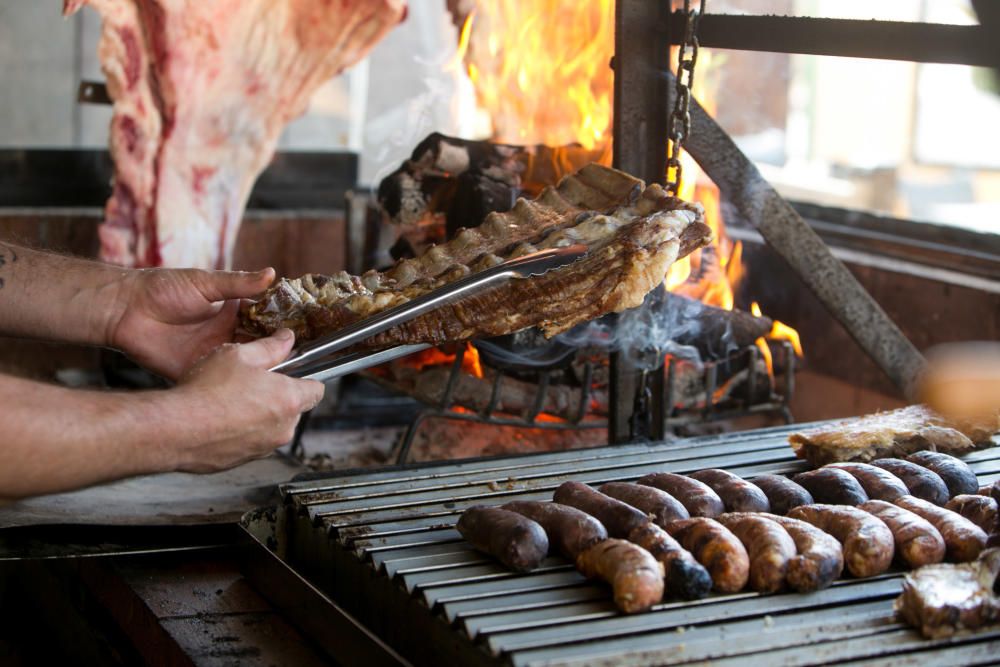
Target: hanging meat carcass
[{"x": 202, "y": 90}]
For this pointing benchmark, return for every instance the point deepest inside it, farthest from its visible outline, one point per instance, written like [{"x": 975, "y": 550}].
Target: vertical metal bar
[
  {"x": 640, "y": 148},
  {"x": 453, "y": 375},
  {"x": 494, "y": 394},
  {"x": 752, "y": 353},
  {"x": 585, "y": 391},
  {"x": 711, "y": 380},
  {"x": 669, "y": 393}
]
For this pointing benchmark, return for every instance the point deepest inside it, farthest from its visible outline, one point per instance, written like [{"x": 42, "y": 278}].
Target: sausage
[
  {"x": 917, "y": 542},
  {"x": 768, "y": 545},
  {"x": 820, "y": 559},
  {"x": 738, "y": 495},
  {"x": 832, "y": 486},
  {"x": 686, "y": 577},
  {"x": 991, "y": 490},
  {"x": 619, "y": 519},
  {"x": 569, "y": 530},
  {"x": 782, "y": 493},
  {"x": 980, "y": 510},
  {"x": 957, "y": 475},
  {"x": 962, "y": 538},
  {"x": 921, "y": 482},
  {"x": 514, "y": 540},
  {"x": 868, "y": 543},
  {"x": 698, "y": 498},
  {"x": 878, "y": 483},
  {"x": 657, "y": 504},
  {"x": 636, "y": 577},
  {"x": 715, "y": 547}
]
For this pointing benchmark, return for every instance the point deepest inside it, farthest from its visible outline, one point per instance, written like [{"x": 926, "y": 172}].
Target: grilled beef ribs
[{"x": 632, "y": 233}]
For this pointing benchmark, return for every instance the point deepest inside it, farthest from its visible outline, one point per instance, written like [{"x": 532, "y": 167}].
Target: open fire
[
  {"x": 540, "y": 70},
  {"x": 541, "y": 73}
]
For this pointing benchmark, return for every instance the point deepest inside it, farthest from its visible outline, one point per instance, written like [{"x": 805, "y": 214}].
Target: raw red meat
[{"x": 202, "y": 90}]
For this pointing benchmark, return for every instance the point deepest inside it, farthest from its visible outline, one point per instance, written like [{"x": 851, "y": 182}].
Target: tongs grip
[{"x": 307, "y": 361}]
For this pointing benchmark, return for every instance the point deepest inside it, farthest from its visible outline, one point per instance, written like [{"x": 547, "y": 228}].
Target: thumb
[
  {"x": 310, "y": 393},
  {"x": 223, "y": 285},
  {"x": 266, "y": 352}
]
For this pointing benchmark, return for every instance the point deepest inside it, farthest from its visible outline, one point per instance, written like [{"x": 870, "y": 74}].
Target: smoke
[{"x": 665, "y": 323}]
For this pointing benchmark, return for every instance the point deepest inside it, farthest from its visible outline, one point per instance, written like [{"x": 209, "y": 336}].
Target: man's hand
[
  {"x": 167, "y": 319},
  {"x": 250, "y": 411}
]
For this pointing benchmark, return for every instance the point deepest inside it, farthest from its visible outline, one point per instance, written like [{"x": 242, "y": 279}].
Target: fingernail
[{"x": 284, "y": 334}]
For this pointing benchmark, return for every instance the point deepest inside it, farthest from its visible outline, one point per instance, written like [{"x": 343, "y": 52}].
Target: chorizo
[
  {"x": 962, "y": 538},
  {"x": 768, "y": 545},
  {"x": 921, "y": 482},
  {"x": 738, "y": 495},
  {"x": 868, "y": 543},
  {"x": 715, "y": 547},
  {"x": 832, "y": 486},
  {"x": 980, "y": 510},
  {"x": 659, "y": 505},
  {"x": 878, "y": 483},
  {"x": 698, "y": 498},
  {"x": 686, "y": 577},
  {"x": 917, "y": 541},
  {"x": 569, "y": 530},
  {"x": 636, "y": 577},
  {"x": 619, "y": 519},
  {"x": 957, "y": 475},
  {"x": 820, "y": 558},
  {"x": 513, "y": 539},
  {"x": 782, "y": 493}
]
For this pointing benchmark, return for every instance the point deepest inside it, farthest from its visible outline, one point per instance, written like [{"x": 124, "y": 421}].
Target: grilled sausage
[
  {"x": 513, "y": 539},
  {"x": 768, "y": 545},
  {"x": 918, "y": 542},
  {"x": 878, "y": 483},
  {"x": 635, "y": 576},
  {"x": 991, "y": 490},
  {"x": 686, "y": 577},
  {"x": 698, "y": 498},
  {"x": 620, "y": 519},
  {"x": 738, "y": 495},
  {"x": 980, "y": 510},
  {"x": 717, "y": 549},
  {"x": 867, "y": 541},
  {"x": 962, "y": 538},
  {"x": 921, "y": 482},
  {"x": 569, "y": 530},
  {"x": 659, "y": 505},
  {"x": 832, "y": 486},
  {"x": 957, "y": 475},
  {"x": 782, "y": 493},
  {"x": 820, "y": 559}
]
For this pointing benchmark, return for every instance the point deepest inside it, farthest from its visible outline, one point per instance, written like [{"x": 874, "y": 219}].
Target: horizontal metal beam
[{"x": 852, "y": 38}]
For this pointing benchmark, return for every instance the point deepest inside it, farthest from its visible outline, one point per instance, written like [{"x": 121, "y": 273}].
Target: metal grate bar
[{"x": 404, "y": 534}]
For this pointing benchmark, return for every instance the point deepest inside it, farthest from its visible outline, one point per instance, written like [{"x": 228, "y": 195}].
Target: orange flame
[
  {"x": 779, "y": 331},
  {"x": 527, "y": 59},
  {"x": 436, "y": 357},
  {"x": 540, "y": 70}
]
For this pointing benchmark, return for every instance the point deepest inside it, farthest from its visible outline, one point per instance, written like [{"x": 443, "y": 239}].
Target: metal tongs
[{"x": 315, "y": 361}]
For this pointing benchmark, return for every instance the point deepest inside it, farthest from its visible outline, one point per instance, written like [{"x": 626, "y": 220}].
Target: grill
[{"x": 383, "y": 545}]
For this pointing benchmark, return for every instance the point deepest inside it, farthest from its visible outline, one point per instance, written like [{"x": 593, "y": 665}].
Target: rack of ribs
[{"x": 633, "y": 233}]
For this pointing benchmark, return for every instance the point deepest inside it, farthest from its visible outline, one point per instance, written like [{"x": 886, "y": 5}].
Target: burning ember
[{"x": 436, "y": 357}]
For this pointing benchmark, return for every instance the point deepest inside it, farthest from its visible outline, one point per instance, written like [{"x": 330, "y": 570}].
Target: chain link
[{"x": 680, "y": 118}]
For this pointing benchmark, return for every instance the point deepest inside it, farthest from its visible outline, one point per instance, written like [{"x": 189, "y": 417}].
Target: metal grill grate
[{"x": 384, "y": 544}]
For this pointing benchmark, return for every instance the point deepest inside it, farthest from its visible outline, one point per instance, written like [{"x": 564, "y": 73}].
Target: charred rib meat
[
  {"x": 896, "y": 433},
  {"x": 633, "y": 234}
]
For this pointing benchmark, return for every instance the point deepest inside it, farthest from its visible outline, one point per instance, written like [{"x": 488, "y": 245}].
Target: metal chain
[{"x": 680, "y": 117}]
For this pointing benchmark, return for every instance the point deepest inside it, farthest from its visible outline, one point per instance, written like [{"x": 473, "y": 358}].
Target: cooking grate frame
[{"x": 383, "y": 545}]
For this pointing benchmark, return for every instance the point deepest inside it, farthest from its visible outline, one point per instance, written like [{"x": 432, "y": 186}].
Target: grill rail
[{"x": 384, "y": 545}]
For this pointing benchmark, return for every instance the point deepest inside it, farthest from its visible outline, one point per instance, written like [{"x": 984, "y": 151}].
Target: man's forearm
[
  {"x": 85, "y": 437},
  {"x": 49, "y": 296}
]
